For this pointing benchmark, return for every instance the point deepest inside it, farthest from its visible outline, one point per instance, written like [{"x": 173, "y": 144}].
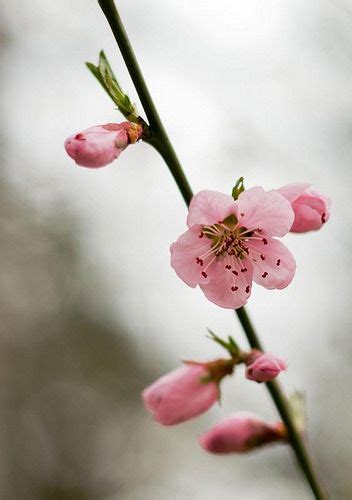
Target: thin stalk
[
  {"x": 283, "y": 408},
  {"x": 161, "y": 142}
]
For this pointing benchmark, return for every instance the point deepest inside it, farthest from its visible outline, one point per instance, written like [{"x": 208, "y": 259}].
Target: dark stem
[
  {"x": 160, "y": 140},
  {"x": 283, "y": 407},
  {"x": 158, "y": 136}
]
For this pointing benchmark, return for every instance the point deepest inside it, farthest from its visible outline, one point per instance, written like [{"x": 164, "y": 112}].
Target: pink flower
[
  {"x": 240, "y": 433},
  {"x": 230, "y": 243},
  {"x": 185, "y": 392},
  {"x": 263, "y": 367},
  {"x": 311, "y": 208},
  {"x": 99, "y": 145}
]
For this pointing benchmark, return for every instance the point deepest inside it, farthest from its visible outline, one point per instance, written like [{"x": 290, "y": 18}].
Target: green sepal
[
  {"x": 238, "y": 188},
  {"x": 105, "y": 76}
]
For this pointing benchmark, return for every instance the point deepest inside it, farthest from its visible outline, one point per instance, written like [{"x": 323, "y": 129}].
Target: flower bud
[
  {"x": 263, "y": 367},
  {"x": 185, "y": 392},
  {"x": 241, "y": 432},
  {"x": 311, "y": 209},
  {"x": 98, "y": 146}
]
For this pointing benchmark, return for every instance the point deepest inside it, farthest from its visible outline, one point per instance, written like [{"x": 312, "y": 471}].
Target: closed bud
[
  {"x": 262, "y": 367},
  {"x": 240, "y": 433},
  {"x": 311, "y": 209},
  {"x": 98, "y": 146},
  {"x": 185, "y": 392}
]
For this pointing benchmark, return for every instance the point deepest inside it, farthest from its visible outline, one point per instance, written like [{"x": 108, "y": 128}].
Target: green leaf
[
  {"x": 238, "y": 188},
  {"x": 105, "y": 76}
]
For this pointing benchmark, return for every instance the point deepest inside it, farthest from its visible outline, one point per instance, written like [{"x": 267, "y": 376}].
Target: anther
[
  {"x": 244, "y": 269},
  {"x": 201, "y": 234},
  {"x": 264, "y": 275},
  {"x": 262, "y": 257},
  {"x": 234, "y": 288},
  {"x": 227, "y": 266},
  {"x": 265, "y": 241},
  {"x": 278, "y": 262},
  {"x": 323, "y": 218},
  {"x": 247, "y": 289},
  {"x": 235, "y": 273},
  {"x": 204, "y": 274}
]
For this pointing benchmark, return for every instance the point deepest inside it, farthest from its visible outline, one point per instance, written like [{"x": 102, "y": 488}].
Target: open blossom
[
  {"x": 311, "y": 208},
  {"x": 185, "y": 392},
  {"x": 230, "y": 243},
  {"x": 262, "y": 367},
  {"x": 98, "y": 146},
  {"x": 241, "y": 432}
]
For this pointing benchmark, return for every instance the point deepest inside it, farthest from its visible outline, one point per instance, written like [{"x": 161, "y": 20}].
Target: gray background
[{"x": 91, "y": 310}]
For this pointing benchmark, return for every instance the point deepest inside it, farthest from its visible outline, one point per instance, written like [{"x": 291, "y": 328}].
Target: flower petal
[
  {"x": 229, "y": 288},
  {"x": 292, "y": 191},
  {"x": 208, "y": 207},
  {"x": 184, "y": 254},
  {"x": 274, "y": 265},
  {"x": 269, "y": 211}
]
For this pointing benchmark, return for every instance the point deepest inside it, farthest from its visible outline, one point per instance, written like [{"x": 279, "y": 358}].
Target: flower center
[{"x": 228, "y": 238}]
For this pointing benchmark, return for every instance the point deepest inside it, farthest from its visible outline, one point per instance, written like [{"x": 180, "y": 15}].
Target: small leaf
[
  {"x": 104, "y": 74},
  {"x": 238, "y": 188},
  {"x": 230, "y": 346},
  {"x": 298, "y": 409}
]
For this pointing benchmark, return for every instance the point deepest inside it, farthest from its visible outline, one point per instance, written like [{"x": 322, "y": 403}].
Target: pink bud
[
  {"x": 241, "y": 432},
  {"x": 263, "y": 367},
  {"x": 99, "y": 145},
  {"x": 311, "y": 208},
  {"x": 181, "y": 394}
]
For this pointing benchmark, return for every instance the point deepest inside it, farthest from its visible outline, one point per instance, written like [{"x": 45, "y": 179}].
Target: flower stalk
[{"x": 159, "y": 139}]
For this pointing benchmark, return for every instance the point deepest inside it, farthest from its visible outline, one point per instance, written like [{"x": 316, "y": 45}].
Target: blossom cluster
[
  {"x": 194, "y": 388},
  {"x": 230, "y": 242}
]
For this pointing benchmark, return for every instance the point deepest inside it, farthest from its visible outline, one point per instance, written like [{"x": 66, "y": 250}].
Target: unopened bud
[
  {"x": 98, "y": 146},
  {"x": 185, "y": 392},
  {"x": 262, "y": 367},
  {"x": 311, "y": 209},
  {"x": 241, "y": 432}
]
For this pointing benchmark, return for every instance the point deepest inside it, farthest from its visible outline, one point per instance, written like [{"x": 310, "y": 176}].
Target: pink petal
[
  {"x": 209, "y": 207},
  {"x": 274, "y": 265},
  {"x": 268, "y": 211},
  {"x": 184, "y": 254},
  {"x": 292, "y": 191},
  {"x": 311, "y": 212},
  {"x": 227, "y": 289}
]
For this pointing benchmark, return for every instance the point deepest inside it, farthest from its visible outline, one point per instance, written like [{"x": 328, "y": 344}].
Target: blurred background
[{"x": 91, "y": 311}]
